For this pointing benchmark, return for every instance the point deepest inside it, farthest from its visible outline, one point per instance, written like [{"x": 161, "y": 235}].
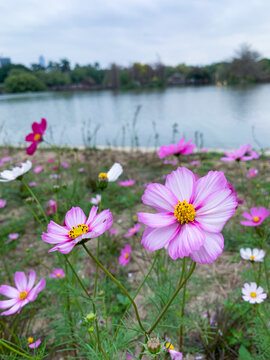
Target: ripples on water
[{"x": 224, "y": 115}]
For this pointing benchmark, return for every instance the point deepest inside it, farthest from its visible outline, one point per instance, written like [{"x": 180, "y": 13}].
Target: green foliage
[{"x": 22, "y": 82}]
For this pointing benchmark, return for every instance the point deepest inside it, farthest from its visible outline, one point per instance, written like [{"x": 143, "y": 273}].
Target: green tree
[{"x": 23, "y": 82}]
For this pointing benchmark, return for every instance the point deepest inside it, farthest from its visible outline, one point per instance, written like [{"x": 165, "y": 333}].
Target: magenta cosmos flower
[
  {"x": 126, "y": 183},
  {"x": 77, "y": 228},
  {"x": 244, "y": 153},
  {"x": 2, "y": 203},
  {"x": 125, "y": 255},
  {"x": 191, "y": 215},
  {"x": 252, "y": 173},
  {"x": 36, "y": 136},
  {"x": 57, "y": 273},
  {"x": 256, "y": 216},
  {"x": 32, "y": 344},
  {"x": 133, "y": 230},
  {"x": 22, "y": 294},
  {"x": 181, "y": 148}
]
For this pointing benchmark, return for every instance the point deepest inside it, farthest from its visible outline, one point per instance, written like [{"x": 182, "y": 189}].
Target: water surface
[{"x": 224, "y": 115}]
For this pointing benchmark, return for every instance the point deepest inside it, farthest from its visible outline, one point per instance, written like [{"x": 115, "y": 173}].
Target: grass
[{"x": 57, "y": 317}]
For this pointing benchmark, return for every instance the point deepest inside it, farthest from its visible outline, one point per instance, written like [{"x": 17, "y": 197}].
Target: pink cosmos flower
[
  {"x": 244, "y": 153},
  {"x": 195, "y": 162},
  {"x": 38, "y": 169},
  {"x": 133, "y": 230},
  {"x": 126, "y": 183},
  {"x": 36, "y": 136},
  {"x": 12, "y": 237},
  {"x": 5, "y": 151},
  {"x": 51, "y": 205},
  {"x": 181, "y": 148},
  {"x": 54, "y": 168},
  {"x": 80, "y": 170},
  {"x": 95, "y": 200},
  {"x": 205, "y": 150},
  {"x": 124, "y": 258},
  {"x": 252, "y": 173},
  {"x": 191, "y": 215},
  {"x": 170, "y": 162},
  {"x": 32, "y": 184},
  {"x": 2, "y": 203},
  {"x": 113, "y": 231},
  {"x": 50, "y": 160},
  {"x": 32, "y": 344},
  {"x": 5, "y": 159},
  {"x": 175, "y": 355},
  {"x": 77, "y": 228},
  {"x": 22, "y": 294},
  {"x": 57, "y": 273},
  {"x": 64, "y": 164},
  {"x": 256, "y": 216}
]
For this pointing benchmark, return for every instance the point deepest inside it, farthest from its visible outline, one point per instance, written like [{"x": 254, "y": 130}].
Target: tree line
[{"x": 247, "y": 66}]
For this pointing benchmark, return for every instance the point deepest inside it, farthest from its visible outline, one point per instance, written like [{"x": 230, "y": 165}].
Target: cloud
[{"x": 195, "y": 31}]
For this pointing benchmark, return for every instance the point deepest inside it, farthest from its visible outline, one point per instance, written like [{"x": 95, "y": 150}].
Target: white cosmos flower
[
  {"x": 95, "y": 200},
  {"x": 9, "y": 175},
  {"x": 253, "y": 294},
  {"x": 114, "y": 172},
  {"x": 253, "y": 255}
]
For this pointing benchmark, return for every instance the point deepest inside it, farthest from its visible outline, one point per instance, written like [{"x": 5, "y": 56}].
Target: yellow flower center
[
  {"x": 132, "y": 230},
  {"x": 37, "y": 137},
  {"x": 169, "y": 346},
  {"x": 78, "y": 231},
  {"x": 252, "y": 257},
  {"x": 126, "y": 256},
  {"x": 30, "y": 340},
  {"x": 103, "y": 176},
  {"x": 256, "y": 219},
  {"x": 58, "y": 274},
  {"x": 184, "y": 212},
  {"x": 253, "y": 294},
  {"x": 23, "y": 295}
]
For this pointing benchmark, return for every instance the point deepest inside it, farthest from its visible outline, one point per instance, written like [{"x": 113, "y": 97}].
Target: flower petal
[
  {"x": 102, "y": 222},
  {"x": 215, "y": 210},
  {"x": 213, "y": 181},
  {"x": 157, "y": 220},
  {"x": 181, "y": 182},
  {"x": 74, "y": 217},
  {"x": 13, "y": 310},
  {"x": 92, "y": 215},
  {"x": 34, "y": 292},
  {"x": 64, "y": 248},
  {"x": 210, "y": 250},
  {"x": 4, "y": 304},
  {"x": 154, "y": 239},
  {"x": 56, "y": 229},
  {"x": 9, "y": 291},
  {"x": 20, "y": 280},
  {"x": 54, "y": 238},
  {"x": 189, "y": 239},
  {"x": 160, "y": 198},
  {"x": 32, "y": 279}
]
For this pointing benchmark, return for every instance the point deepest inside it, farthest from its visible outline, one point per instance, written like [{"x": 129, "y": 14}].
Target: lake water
[{"x": 224, "y": 115}]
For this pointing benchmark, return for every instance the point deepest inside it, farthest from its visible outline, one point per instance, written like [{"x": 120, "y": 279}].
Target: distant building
[
  {"x": 176, "y": 79},
  {"x": 41, "y": 61},
  {"x": 4, "y": 61}
]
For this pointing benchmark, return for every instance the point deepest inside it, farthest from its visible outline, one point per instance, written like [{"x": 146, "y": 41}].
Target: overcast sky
[{"x": 123, "y": 31}]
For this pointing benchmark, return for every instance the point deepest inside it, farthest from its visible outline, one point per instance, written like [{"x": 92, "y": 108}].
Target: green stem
[
  {"x": 14, "y": 350},
  {"x": 79, "y": 280},
  {"x": 118, "y": 284},
  {"x": 179, "y": 287},
  {"x": 99, "y": 346},
  {"x": 181, "y": 330},
  {"x": 95, "y": 291},
  {"x": 137, "y": 292},
  {"x": 36, "y": 200},
  {"x": 263, "y": 322},
  {"x": 37, "y": 218},
  {"x": 266, "y": 274}
]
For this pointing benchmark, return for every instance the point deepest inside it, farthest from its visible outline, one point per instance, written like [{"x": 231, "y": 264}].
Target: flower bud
[
  {"x": 90, "y": 317},
  {"x": 29, "y": 200},
  {"x": 153, "y": 345},
  {"x": 91, "y": 329}
]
